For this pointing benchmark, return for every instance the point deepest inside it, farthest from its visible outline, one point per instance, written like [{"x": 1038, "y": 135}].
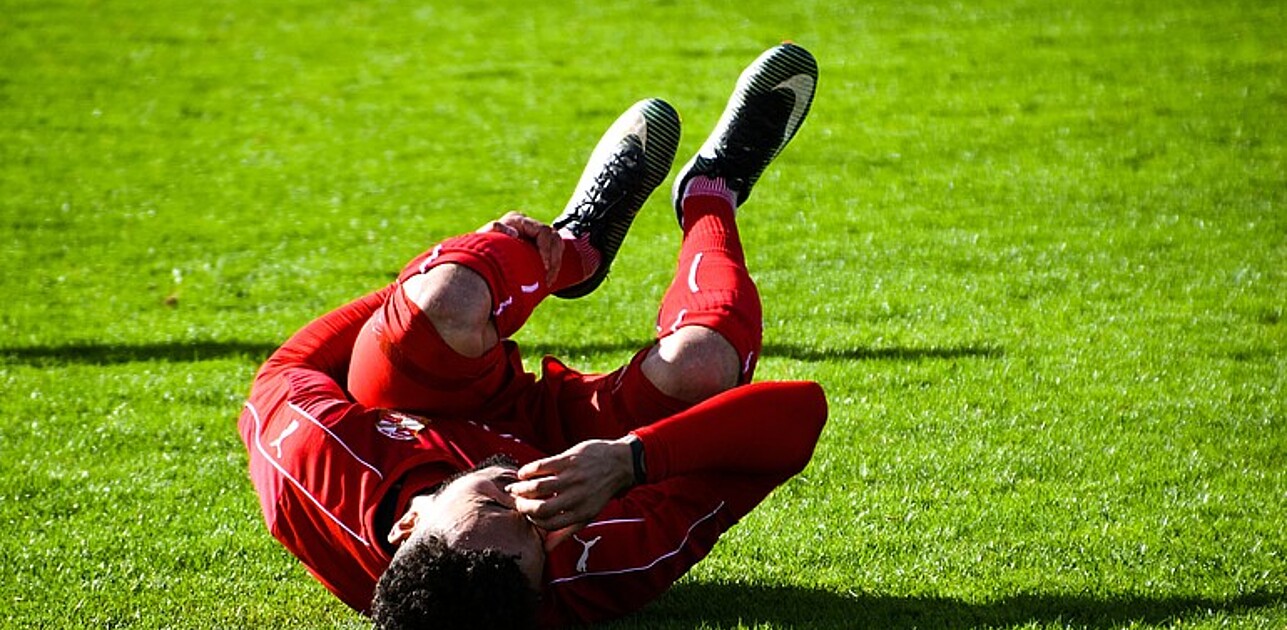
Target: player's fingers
[
  {"x": 512, "y": 223},
  {"x": 497, "y": 226},
  {"x": 558, "y": 519},
  {"x": 541, "y": 511},
  {"x": 543, "y": 467},
  {"x": 562, "y": 520},
  {"x": 526, "y": 226},
  {"x": 548, "y": 243},
  {"x": 540, "y": 488},
  {"x": 551, "y": 248}
]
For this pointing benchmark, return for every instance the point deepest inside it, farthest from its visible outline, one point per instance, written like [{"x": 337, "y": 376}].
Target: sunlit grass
[{"x": 1034, "y": 251}]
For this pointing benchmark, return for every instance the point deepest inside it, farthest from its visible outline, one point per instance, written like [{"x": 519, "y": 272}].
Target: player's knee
[
  {"x": 692, "y": 364},
  {"x": 458, "y": 302}
]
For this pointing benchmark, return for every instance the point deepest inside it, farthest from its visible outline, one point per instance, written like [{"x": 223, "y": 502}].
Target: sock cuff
[
  {"x": 587, "y": 255},
  {"x": 702, "y": 186}
]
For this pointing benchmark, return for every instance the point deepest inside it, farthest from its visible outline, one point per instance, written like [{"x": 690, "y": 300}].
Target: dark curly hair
[{"x": 432, "y": 585}]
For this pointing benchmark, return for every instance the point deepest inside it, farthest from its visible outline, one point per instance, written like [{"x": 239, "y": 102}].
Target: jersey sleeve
[
  {"x": 766, "y": 428},
  {"x": 640, "y": 544},
  {"x": 326, "y": 343},
  {"x": 707, "y": 468}
]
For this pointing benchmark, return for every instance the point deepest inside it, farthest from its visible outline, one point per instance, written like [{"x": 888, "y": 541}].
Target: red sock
[
  {"x": 712, "y": 287},
  {"x": 512, "y": 269},
  {"x": 580, "y": 261}
]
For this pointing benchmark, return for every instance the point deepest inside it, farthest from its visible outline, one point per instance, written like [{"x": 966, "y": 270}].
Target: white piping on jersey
[
  {"x": 678, "y": 319},
  {"x": 259, "y": 445},
  {"x": 746, "y": 367},
  {"x": 614, "y": 521},
  {"x": 310, "y": 418},
  {"x": 652, "y": 564},
  {"x": 530, "y": 288},
  {"x": 503, "y": 305},
  {"x": 616, "y": 386},
  {"x": 692, "y": 273},
  {"x": 424, "y": 266}
]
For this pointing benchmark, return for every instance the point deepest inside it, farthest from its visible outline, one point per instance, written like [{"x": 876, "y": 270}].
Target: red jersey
[{"x": 324, "y": 465}]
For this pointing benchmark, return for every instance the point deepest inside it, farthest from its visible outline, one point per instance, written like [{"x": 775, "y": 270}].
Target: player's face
[{"x": 475, "y": 512}]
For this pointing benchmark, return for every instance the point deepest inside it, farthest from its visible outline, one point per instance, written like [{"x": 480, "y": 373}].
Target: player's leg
[
  {"x": 709, "y": 323},
  {"x": 631, "y": 160},
  {"x": 434, "y": 346}
]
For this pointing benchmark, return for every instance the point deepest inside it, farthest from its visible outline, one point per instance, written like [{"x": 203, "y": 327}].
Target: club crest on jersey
[{"x": 398, "y": 426}]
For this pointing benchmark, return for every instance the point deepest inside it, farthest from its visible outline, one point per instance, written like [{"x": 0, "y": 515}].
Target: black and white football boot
[
  {"x": 631, "y": 160},
  {"x": 768, "y": 105}
]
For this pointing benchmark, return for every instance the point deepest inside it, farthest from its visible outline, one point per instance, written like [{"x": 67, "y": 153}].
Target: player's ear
[{"x": 404, "y": 527}]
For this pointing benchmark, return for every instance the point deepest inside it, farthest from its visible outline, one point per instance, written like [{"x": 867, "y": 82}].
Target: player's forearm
[
  {"x": 326, "y": 343},
  {"x": 766, "y": 428}
]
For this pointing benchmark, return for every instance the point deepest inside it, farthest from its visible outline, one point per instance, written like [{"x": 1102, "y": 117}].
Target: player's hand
[
  {"x": 547, "y": 241},
  {"x": 572, "y": 487}
]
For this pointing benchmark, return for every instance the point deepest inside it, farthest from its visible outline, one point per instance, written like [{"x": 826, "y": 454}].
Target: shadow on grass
[
  {"x": 109, "y": 354},
  {"x": 193, "y": 351},
  {"x": 728, "y": 605},
  {"x": 796, "y": 352},
  {"x": 801, "y": 353}
]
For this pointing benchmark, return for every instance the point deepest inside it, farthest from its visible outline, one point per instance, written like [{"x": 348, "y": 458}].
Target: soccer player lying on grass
[{"x": 403, "y": 454}]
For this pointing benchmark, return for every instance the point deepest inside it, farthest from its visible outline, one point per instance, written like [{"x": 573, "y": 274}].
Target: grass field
[{"x": 1035, "y": 250}]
